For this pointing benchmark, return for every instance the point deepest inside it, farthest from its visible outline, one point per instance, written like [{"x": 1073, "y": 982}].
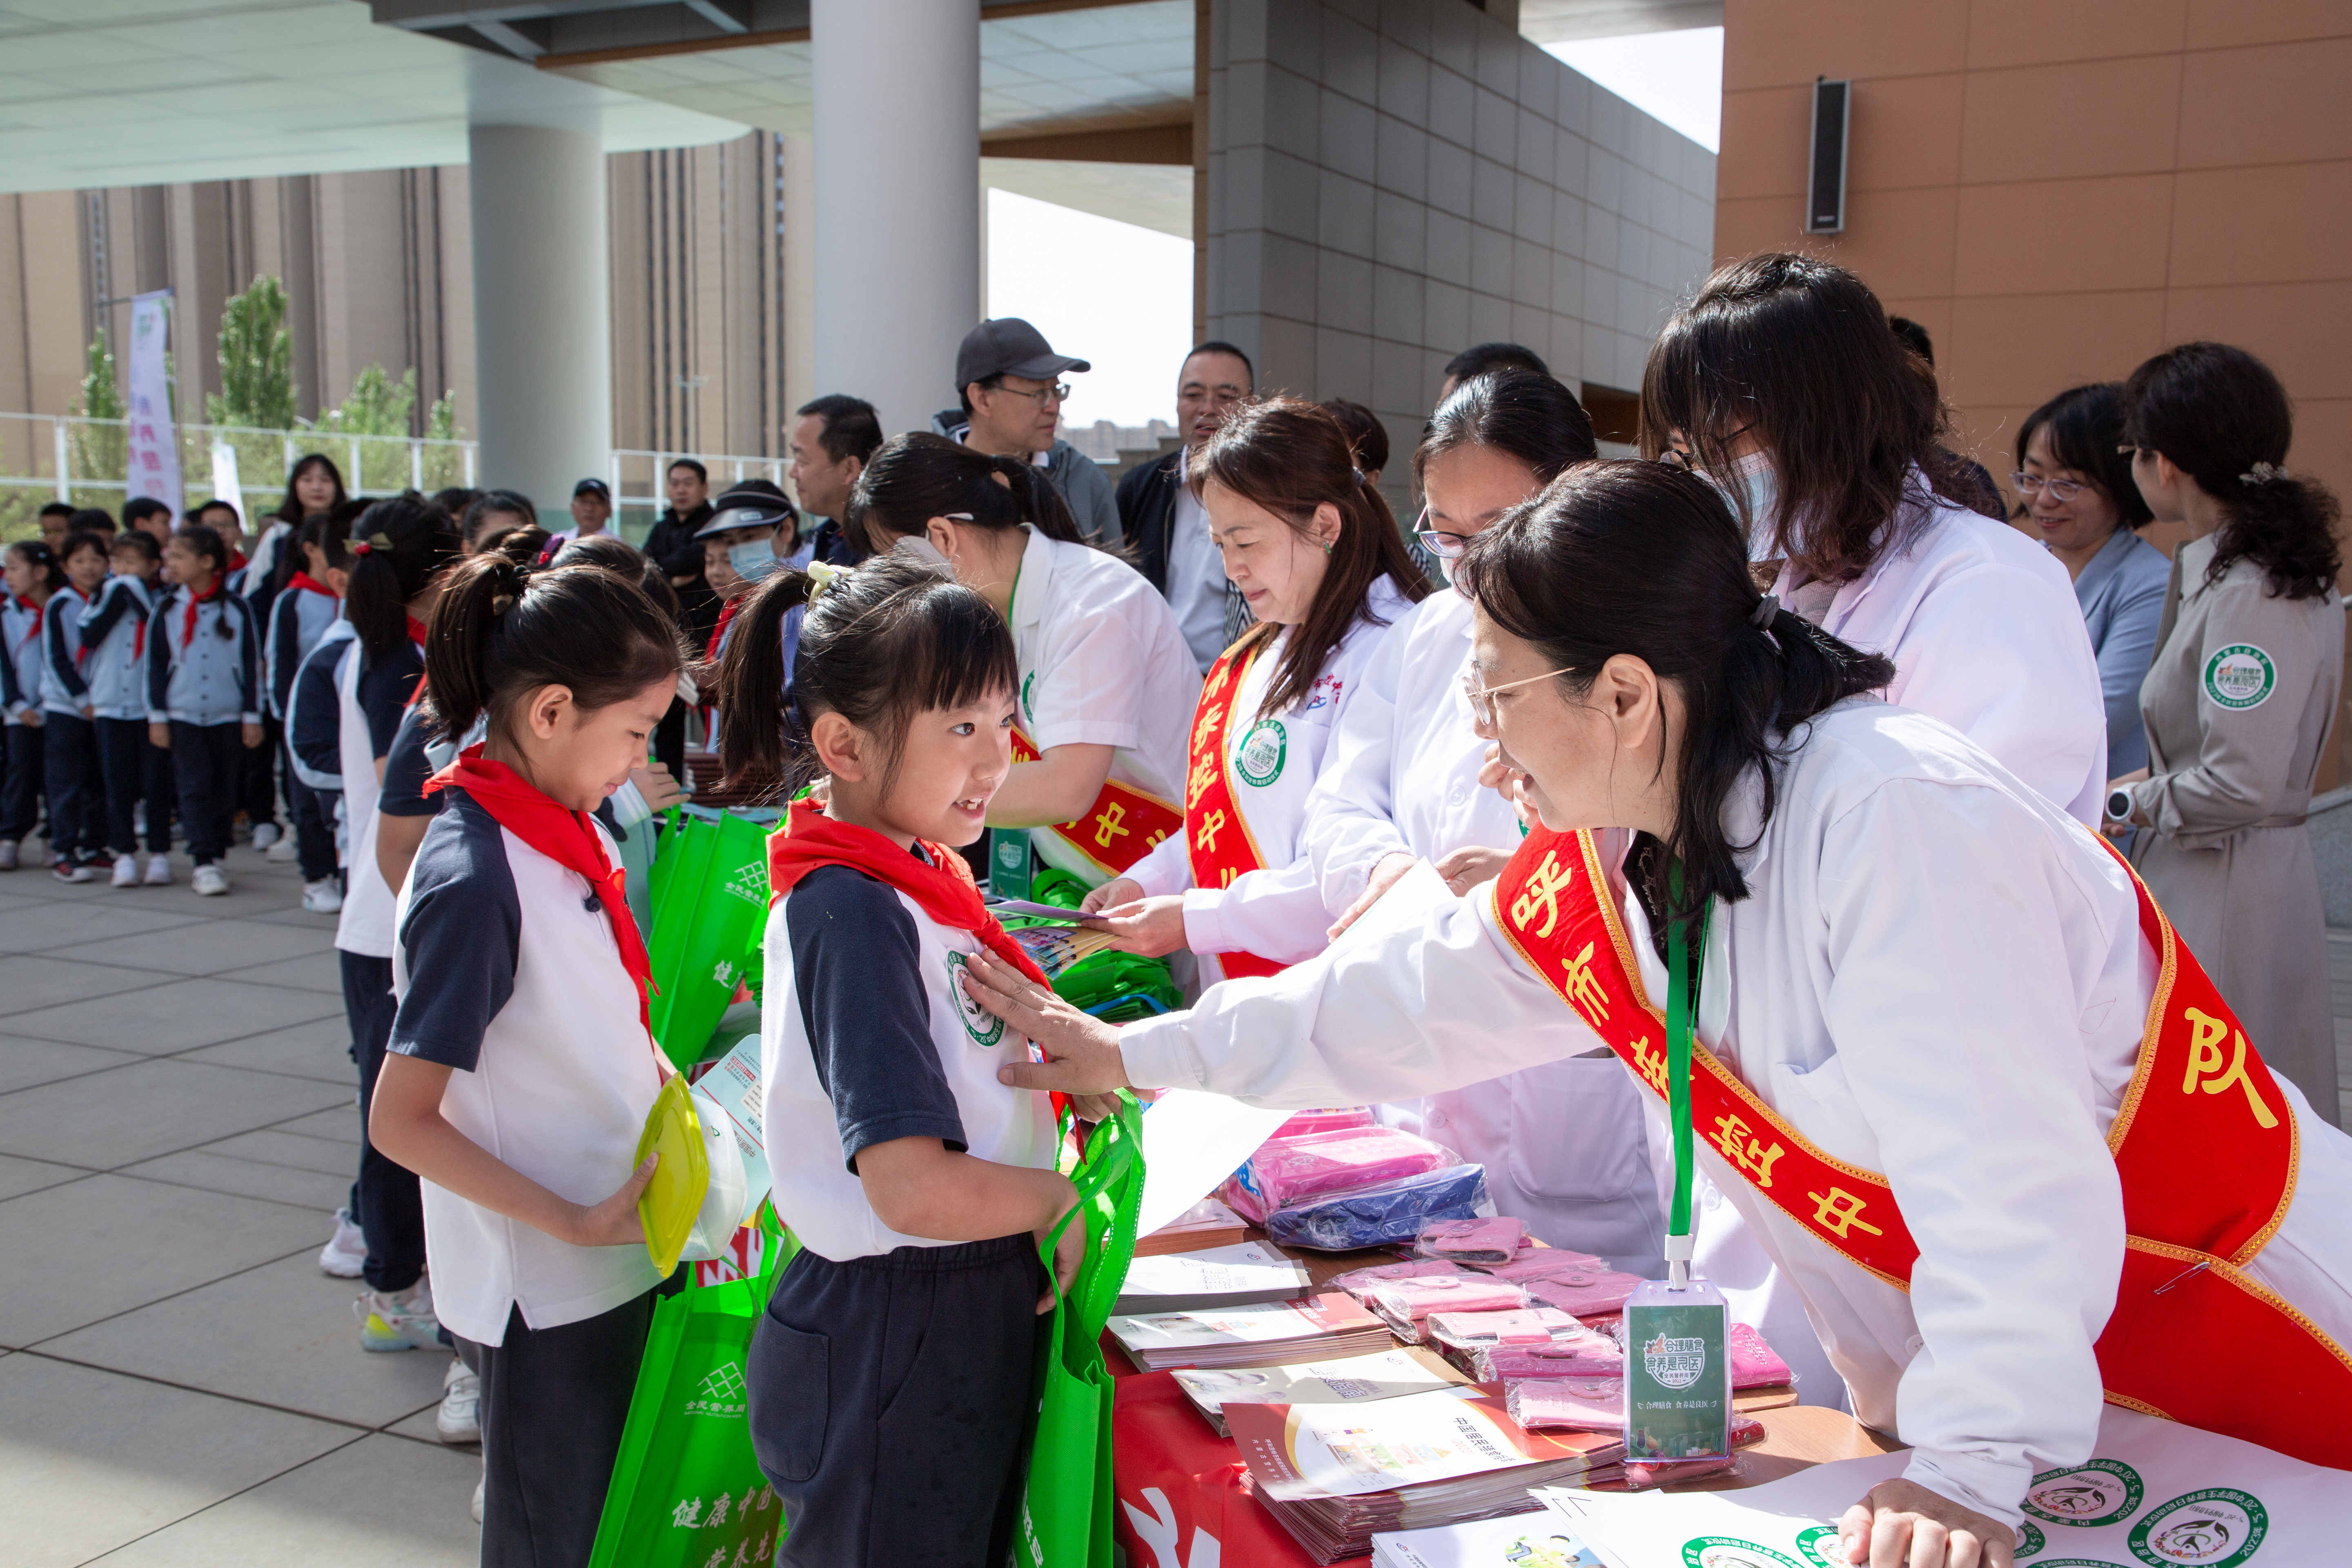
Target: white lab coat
[
  {"x": 1275, "y": 912},
  {"x": 1938, "y": 976}
]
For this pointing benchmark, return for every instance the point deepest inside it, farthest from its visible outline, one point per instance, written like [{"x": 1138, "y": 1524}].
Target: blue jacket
[
  {"x": 314, "y": 711},
  {"x": 64, "y": 687},
  {"x": 113, "y": 636},
  {"x": 207, "y": 673},
  {"x": 20, "y": 659},
  {"x": 2122, "y": 594},
  {"x": 298, "y": 618}
]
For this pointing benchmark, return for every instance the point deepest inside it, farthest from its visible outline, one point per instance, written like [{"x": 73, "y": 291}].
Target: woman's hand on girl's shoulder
[
  {"x": 614, "y": 1221},
  {"x": 1081, "y": 1052}
]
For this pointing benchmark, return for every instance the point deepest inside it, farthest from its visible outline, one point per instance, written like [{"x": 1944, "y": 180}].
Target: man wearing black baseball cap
[
  {"x": 1012, "y": 390},
  {"x": 592, "y": 510}
]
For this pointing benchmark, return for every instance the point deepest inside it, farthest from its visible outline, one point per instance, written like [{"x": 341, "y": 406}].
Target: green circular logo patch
[
  {"x": 1729, "y": 1552},
  {"x": 986, "y": 1028},
  {"x": 2216, "y": 1528},
  {"x": 2104, "y": 1491},
  {"x": 1028, "y": 706},
  {"x": 1816, "y": 1543},
  {"x": 2029, "y": 1539},
  {"x": 2239, "y": 676},
  {"x": 1262, "y": 754}
]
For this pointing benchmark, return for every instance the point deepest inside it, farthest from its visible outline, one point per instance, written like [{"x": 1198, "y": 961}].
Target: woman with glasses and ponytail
[
  {"x": 2241, "y": 697},
  {"x": 1314, "y": 552},
  {"x": 1927, "y": 1034}
]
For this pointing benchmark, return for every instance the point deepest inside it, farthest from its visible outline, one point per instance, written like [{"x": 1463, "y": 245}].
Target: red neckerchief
[
  {"x": 568, "y": 839},
  {"x": 718, "y": 632},
  {"x": 944, "y": 890},
  {"x": 236, "y": 561},
  {"x": 188, "y": 627},
  {"x": 310, "y": 584},
  {"x": 139, "y": 627},
  {"x": 417, "y": 634}
]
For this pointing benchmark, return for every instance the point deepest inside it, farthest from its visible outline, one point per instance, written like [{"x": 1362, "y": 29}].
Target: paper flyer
[
  {"x": 1339, "y": 1450},
  {"x": 1219, "y": 1271},
  {"x": 1351, "y": 1380},
  {"x": 1193, "y": 1141},
  {"x": 1252, "y": 1325},
  {"x": 733, "y": 1085},
  {"x": 1521, "y": 1540},
  {"x": 2154, "y": 1492}
]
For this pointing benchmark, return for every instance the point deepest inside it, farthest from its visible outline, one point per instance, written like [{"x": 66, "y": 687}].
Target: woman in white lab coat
[
  {"x": 1107, "y": 685},
  {"x": 1912, "y": 963},
  {"x": 1315, "y": 552}
]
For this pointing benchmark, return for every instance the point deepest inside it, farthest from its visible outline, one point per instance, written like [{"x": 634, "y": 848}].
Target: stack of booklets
[
  {"x": 1208, "y": 1222},
  {"x": 1312, "y": 1328},
  {"x": 1334, "y": 1475},
  {"x": 1248, "y": 1275},
  {"x": 1385, "y": 1374}
]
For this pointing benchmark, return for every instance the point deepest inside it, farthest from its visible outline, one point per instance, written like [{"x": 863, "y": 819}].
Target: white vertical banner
[
  {"x": 225, "y": 480},
  {"x": 154, "y": 448}
]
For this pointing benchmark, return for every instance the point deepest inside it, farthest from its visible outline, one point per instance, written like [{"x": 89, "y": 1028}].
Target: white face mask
[
  {"x": 752, "y": 561},
  {"x": 1753, "y": 478}
]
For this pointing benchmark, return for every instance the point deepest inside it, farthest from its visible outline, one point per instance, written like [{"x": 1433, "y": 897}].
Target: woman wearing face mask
[
  {"x": 1312, "y": 549},
  {"x": 1782, "y": 384},
  {"x": 2078, "y": 493},
  {"x": 1106, "y": 683},
  {"x": 1921, "y": 999}
]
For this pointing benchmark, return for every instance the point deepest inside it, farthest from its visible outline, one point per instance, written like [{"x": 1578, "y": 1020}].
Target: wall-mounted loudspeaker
[{"x": 1825, "y": 179}]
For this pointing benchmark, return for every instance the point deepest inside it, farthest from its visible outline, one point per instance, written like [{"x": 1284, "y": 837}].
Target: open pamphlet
[
  {"x": 1535, "y": 1539},
  {"x": 1310, "y": 1328},
  {"x": 1244, "y": 1276},
  {"x": 1387, "y": 1374}
]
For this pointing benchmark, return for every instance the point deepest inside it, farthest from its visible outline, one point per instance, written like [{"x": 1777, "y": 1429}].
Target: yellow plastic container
[{"x": 670, "y": 1202}]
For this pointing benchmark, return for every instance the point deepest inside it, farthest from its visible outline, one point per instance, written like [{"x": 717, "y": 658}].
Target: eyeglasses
[
  {"x": 2032, "y": 485},
  {"x": 1481, "y": 704},
  {"x": 1682, "y": 457},
  {"x": 1058, "y": 393},
  {"x": 1436, "y": 540}
]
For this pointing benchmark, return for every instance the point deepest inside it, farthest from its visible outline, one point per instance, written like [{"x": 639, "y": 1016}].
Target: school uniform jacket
[
  {"x": 65, "y": 688},
  {"x": 1938, "y": 975},
  {"x": 299, "y": 618},
  {"x": 314, "y": 710},
  {"x": 1273, "y": 761},
  {"x": 205, "y": 669},
  {"x": 20, "y": 659},
  {"x": 113, "y": 637}
]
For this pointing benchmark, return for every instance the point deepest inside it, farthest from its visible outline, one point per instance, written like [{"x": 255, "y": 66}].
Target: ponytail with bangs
[
  {"x": 398, "y": 547},
  {"x": 500, "y": 631}
]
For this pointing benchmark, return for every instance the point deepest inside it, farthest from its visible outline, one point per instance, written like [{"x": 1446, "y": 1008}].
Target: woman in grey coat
[{"x": 2240, "y": 697}]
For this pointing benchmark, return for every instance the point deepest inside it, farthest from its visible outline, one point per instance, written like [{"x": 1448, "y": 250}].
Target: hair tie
[
  {"x": 1360, "y": 479},
  {"x": 823, "y": 575},
  {"x": 363, "y": 548},
  {"x": 2263, "y": 474},
  {"x": 1766, "y": 608}
]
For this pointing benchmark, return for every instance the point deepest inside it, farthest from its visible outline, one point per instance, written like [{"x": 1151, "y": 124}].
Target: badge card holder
[
  {"x": 1677, "y": 1330},
  {"x": 1009, "y": 870}
]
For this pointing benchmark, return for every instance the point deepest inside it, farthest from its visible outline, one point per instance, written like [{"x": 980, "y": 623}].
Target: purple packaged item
[
  {"x": 1359, "y": 1282},
  {"x": 1290, "y": 1173},
  {"x": 1345, "y": 1221},
  {"x": 1473, "y": 1241}
]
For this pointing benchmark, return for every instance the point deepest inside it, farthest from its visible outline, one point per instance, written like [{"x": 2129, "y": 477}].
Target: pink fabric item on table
[
  {"x": 1338, "y": 1119},
  {"x": 1580, "y": 1405},
  {"x": 1286, "y": 1172},
  {"x": 1542, "y": 1263},
  {"x": 1527, "y": 1326},
  {"x": 1587, "y": 1293},
  {"x": 1405, "y": 1304},
  {"x": 1359, "y": 1282},
  {"x": 1753, "y": 1362},
  {"x": 1595, "y": 1356},
  {"x": 1474, "y": 1241}
]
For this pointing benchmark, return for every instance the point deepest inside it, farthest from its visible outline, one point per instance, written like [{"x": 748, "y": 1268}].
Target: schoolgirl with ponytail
[
  {"x": 2240, "y": 695},
  {"x": 520, "y": 1068},
  {"x": 33, "y": 575},
  {"x": 1105, "y": 683},
  {"x": 891, "y": 1376}
]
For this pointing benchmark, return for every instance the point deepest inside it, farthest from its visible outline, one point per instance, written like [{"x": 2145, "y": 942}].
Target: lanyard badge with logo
[{"x": 1677, "y": 1330}]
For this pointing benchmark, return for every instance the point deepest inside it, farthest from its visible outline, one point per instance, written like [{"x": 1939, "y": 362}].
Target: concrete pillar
[
  {"x": 796, "y": 168},
  {"x": 542, "y": 310},
  {"x": 898, "y": 199}
]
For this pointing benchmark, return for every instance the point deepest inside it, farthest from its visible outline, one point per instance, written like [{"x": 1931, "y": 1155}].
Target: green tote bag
[
  {"x": 1065, "y": 1509},
  {"x": 709, "y": 910}
]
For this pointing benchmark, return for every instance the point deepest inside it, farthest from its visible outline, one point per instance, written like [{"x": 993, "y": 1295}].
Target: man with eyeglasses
[
  {"x": 1164, "y": 519},
  {"x": 1009, "y": 378}
]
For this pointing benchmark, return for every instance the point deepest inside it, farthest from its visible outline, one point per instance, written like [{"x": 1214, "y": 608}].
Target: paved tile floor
[{"x": 179, "y": 1384}]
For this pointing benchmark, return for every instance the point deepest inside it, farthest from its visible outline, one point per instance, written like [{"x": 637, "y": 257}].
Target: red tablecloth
[{"x": 1181, "y": 1503}]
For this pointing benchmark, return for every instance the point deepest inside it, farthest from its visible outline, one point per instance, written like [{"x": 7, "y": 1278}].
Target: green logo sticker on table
[
  {"x": 2218, "y": 1527},
  {"x": 1262, "y": 754},
  {"x": 2102, "y": 1492},
  {"x": 2030, "y": 1539},
  {"x": 986, "y": 1028},
  {"x": 2239, "y": 676},
  {"x": 1815, "y": 1545},
  {"x": 1730, "y": 1551}
]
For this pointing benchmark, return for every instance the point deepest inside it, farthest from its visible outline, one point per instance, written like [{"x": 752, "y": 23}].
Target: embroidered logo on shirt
[
  {"x": 2239, "y": 676},
  {"x": 2218, "y": 1527},
  {"x": 1028, "y": 703},
  {"x": 2100, "y": 1491},
  {"x": 1323, "y": 693},
  {"x": 1262, "y": 754},
  {"x": 986, "y": 1028}
]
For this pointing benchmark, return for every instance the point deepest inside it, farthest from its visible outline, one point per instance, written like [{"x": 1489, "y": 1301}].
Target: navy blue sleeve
[
  {"x": 159, "y": 655},
  {"x": 385, "y": 688},
  {"x": 314, "y": 718},
  {"x": 460, "y": 936},
  {"x": 62, "y": 663},
  {"x": 10, "y": 696},
  {"x": 857, "y": 966},
  {"x": 248, "y": 661},
  {"x": 113, "y": 600},
  {"x": 405, "y": 769},
  {"x": 285, "y": 658}
]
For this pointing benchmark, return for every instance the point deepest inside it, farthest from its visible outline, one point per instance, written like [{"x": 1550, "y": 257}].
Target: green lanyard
[{"x": 1682, "y": 1028}]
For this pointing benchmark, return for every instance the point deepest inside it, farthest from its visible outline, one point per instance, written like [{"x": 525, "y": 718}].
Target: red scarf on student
[
  {"x": 944, "y": 890},
  {"x": 188, "y": 630},
  {"x": 568, "y": 839},
  {"x": 718, "y": 632},
  {"x": 25, "y": 604},
  {"x": 310, "y": 584}
]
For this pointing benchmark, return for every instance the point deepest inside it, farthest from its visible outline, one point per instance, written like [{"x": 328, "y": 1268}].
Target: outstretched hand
[
  {"x": 1081, "y": 1052},
  {"x": 1902, "y": 1524}
]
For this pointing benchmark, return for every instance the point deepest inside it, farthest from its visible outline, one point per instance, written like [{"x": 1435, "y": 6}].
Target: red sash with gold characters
[
  {"x": 1216, "y": 836},
  {"x": 1119, "y": 828},
  {"x": 2205, "y": 1143}
]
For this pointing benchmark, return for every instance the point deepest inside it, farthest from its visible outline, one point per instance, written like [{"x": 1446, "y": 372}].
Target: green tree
[
  {"x": 100, "y": 452},
  {"x": 257, "y": 361},
  {"x": 444, "y": 466},
  {"x": 378, "y": 405}
]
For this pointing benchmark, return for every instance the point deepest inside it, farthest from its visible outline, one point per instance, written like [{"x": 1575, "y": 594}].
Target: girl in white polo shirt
[
  {"x": 890, "y": 1380},
  {"x": 520, "y": 1069},
  {"x": 1106, "y": 681},
  {"x": 1312, "y": 549}
]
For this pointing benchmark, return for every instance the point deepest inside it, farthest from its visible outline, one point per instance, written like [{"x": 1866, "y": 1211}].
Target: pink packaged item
[
  {"x": 1591, "y": 1355},
  {"x": 1473, "y": 1241},
  {"x": 1580, "y": 1405},
  {"x": 1336, "y": 1119},
  {"x": 1642, "y": 1474},
  {"x": 1286, "y": 1172},
  {"x": 1359, "y": 1282},
  {"x": 1529, "y": 1326},
  {"x": 1587, "y": 1293},
  {"x": 1753, "y": 1364},
  {"x": 1405, "y": 1304},
  {"x": 1543, "y": 1263}
]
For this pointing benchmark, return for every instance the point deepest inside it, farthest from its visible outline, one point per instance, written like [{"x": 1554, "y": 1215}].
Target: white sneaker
[
  {"x": 126, "y": 871},
  {"x": 159, "y": 870},
  {"x": 266, "y": 835},
  {"x": 459, "y": 1419},
  {"x": 209, "y": 881},
  {"x": 66, "y": 870},
  {"x": 479, "y": 1487},
  {"x": 345, "y": 1253},
  {"x": 7, "y": 854},
  {"x": 323, "y": 897},
  {"x": 284, "y": 852},
  {"x": 402, "y": 1320}
]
